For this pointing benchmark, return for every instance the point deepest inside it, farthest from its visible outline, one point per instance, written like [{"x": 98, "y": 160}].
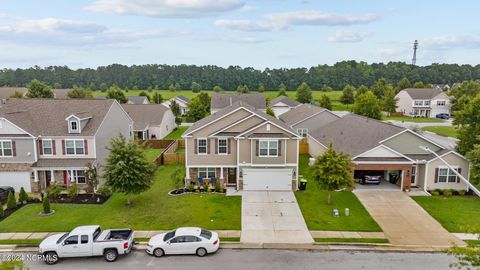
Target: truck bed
[{"x": 116, "y": 234}]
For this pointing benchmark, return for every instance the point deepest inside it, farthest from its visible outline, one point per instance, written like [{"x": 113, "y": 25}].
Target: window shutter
[
  {"x": 54, "y": 147},
  {"x": 257, "y": 147},
  {"x": 63, "y": 147},
  {"x": 40, "y": 147},
  {"x": 216, "y": 145},
  {"x": 460, "y": 172},
  {"x": 208, "y": 145},
  {"x": 195, "y": 142},
  {"x": 228, "y": 143},
  {"x": 65, "y": 177},
  {"x": 279, "y": 148},
  {"x": 436, "y": 175},
  {"x": 14, "y": 148},
  {"x": 85, "y": 145}
]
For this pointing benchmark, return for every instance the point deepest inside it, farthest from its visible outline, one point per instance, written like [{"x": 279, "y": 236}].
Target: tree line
[{"x": 192, "y": 77}]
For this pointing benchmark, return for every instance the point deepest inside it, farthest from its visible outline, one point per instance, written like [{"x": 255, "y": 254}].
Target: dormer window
[{"x": 74, "y": 126}]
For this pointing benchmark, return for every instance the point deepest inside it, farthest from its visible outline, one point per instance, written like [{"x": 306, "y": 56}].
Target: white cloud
[
  {"x": 452, "y": 41},
  {"x": 167, "y": 8},
  {"x": 247, "y": 9},
  {"x": 348, "y": 36},
  {"x": 248, "y": 26}
]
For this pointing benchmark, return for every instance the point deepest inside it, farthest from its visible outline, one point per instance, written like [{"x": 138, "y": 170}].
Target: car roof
[
  {"x": 85, "y": 229},
  {"x": 5, "y": 187},
  {"x": 188, "y": 231}
]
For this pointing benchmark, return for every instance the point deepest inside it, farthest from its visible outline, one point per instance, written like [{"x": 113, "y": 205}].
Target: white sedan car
[{"x": 186, "y": 240}]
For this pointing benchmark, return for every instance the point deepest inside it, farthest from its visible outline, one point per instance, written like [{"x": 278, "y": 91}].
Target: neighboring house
[
  {"x": 223, "y": 100},
  {"x": 393, "y": 152},
  {"x": 43, "y": 141},
  {"x": 443, "y": 87},
  {"x": 304, "y": 116},
  {"x": 7, "y": 92},
  {"x": 152, "y": 121},
  {"x": 181, "y": 101},
  {"x": 137, "y": 100},
  {"x": 423, "y": 102},
  {"x": 243, "y": 148},
  {"x": 283, "y": 104}
]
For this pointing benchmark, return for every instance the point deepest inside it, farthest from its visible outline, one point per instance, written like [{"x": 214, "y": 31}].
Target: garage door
[
  {"x": 267, "y": 179},
  {"x": 16, "y": 180}
]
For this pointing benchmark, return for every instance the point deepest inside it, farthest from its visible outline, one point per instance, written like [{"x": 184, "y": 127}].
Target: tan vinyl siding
[
  {"x": 245, "y": 125},
  {"x": 291, "y": 151},
  {"x": 315, "y": 148},
  {"x": 280, "y": 159},
  {"x": 222, "y": 123},
  {"x": 404, "y": 103},
  {"x": 212, "y": 158},
  {"x": 454, "y": 161},
  {"x": 245, "y": 147}
]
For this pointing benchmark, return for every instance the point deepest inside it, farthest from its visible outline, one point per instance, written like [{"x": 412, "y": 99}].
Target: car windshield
[
  {"x": 206, "y": 234},
  {"x": 61, "y": 238},
  {"x": 169, "y": 235}
]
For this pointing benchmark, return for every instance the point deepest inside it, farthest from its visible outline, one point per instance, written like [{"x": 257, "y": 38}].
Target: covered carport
[{"x": 398, "y": 171}]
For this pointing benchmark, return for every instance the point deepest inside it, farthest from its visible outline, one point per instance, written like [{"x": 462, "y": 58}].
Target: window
[
  {"x": 79, "y": 177},
  {"x": 418, "y": 103},
  {"x": 268, "y": 148},
  {"x": 178, "y": 239},
  {"x": 84, "y": 239},
  {"x": 206, "y": 234},
  {"x": 169, "y": 235},
  {"x": 441, "y": 102},
  {"x": 302, "y": 132},
  {"x": 202, "y": 146},
  {"x": 191, "y": 239},
  {"x": 222, "y": 146},
  {"x": 74, "y": 147},
  {"x": 6, "y": 149},
  {"x": 47, "y": 147},
  {"x": 74, "y": 126},
  {"x": 446, "y": 175},
  {"x": 427, "y": 102},
  {"x": 206, "y": 172},
  {"x": 72, "y": 240}
]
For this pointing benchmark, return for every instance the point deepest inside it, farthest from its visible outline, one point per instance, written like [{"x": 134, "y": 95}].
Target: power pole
[{"x": 415, "y": 47}]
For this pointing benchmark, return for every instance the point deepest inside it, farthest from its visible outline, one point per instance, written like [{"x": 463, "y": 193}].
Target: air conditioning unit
[{"x": 311, "y": 161}]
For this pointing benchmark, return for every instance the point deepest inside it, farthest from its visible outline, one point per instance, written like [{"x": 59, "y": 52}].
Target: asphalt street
[{"x": 263, "y": 259}]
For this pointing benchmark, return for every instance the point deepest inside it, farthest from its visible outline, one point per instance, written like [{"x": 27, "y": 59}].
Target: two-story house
[
  {"x": 423, "y": 102},
  {"x": 243, "y": 148},
  {"x": 222, "y": 100},
  {"x": 283, "y": 104},
  {"x": 181, "y": 101},
  {"x": 52, "y": 140}
]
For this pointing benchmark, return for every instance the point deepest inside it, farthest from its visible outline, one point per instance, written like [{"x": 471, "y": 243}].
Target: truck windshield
[
  {"x": 61, "y": 238},
  {"x": 206, "y": 234},
  {"x": 96, "y": 233},
  {"x": 169, "y": 236}
]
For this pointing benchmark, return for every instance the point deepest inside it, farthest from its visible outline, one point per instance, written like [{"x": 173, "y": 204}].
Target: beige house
[
  {"x": 423, "y": 102},
  {"x": 283, "y": 104},
  {"x": 395, "y": 153},
  {"x": 151, "y": 121},
  {"x": 223, "y": 100},
  {"x": 242, "y": 148},
  {"x": 43, "y": 141},
  {"x": 306, "y": 116}
]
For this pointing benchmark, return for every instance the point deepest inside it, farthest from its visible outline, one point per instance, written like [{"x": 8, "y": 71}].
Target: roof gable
[
  {"x": 284, "y": 101},
  {"x": 223, "y": 100},
  {"x": 422, "y": 93}
]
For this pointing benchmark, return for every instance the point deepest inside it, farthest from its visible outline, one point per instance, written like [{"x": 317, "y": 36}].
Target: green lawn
[
  {"x": 151, "y": 154},
  {"x": 318, "y": 214},
  {"x": 456, "y": 214},
  {"x": 151, "y": 210},
  {"x": 351, "y": 240},
  {"x": 413, "y": 119},
  {"x": 447, "y": 131},
  {"x": 176, "y": 134}
]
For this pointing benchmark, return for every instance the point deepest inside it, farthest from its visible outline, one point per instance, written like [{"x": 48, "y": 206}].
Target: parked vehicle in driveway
[
  {"x": 4, "y": 193},
  {"x": 371, "y": 179},
  {"x": 87, "y": 241},
  {"x": 186, "y": 240},
  {"x": 445, "y": 116}
]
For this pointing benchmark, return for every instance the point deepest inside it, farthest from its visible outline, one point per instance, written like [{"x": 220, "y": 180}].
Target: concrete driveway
[
  {"x": 272, "y": 217},
  {"x": 403, "y": 221}
]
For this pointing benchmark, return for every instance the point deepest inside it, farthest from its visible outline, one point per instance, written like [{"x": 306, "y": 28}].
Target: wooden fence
[
  {"x": 171, "y": 155},
  {"x": 303, "y": 147},
  {"x": 156, "y": 144}
]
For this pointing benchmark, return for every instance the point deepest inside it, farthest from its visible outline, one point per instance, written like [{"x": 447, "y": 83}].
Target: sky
[{"x": 247, "y": 33}]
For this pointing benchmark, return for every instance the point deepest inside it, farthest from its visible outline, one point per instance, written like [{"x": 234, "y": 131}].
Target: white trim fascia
[
  {"x": 211, "y": 166},
  {"x": 308, "y": 135},
  {"x": 267, "y": 165},
  {"x": 414, "y": 133},
  {"x": 303, "y": 120},
  {"x": 298, "y": 156},
  {"x": 187, "y": 173},
  {"x": 35, "y": 149},
  {"x": 72, "y": 116},
  {"x": 268, "y": 122},
  {"x": 383, "y": 162},
  {"x": 386, "y": 147},
  {"x": 425, "y": 181},
  {"x": 17, "y": 126},
  {"x": 449, "y": 152},
  {"x": 232, "y": 125}
]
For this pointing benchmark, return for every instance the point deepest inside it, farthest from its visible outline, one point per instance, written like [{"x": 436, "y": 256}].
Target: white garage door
[
  {"x": 16, "y": 180},
  {"x": 267, "y": 179}
]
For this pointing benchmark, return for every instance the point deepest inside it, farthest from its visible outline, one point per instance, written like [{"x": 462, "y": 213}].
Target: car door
[
  {"x": 85, "y": 246},
  {"x": 191, "y": 244},
  {"x": 176, "y": 245},
  {"x": 70, "y": 247}
]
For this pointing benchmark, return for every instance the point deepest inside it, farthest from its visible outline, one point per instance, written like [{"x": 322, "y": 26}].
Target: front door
[
  {"x": 414, "y": 173},
  {"x": 232, "y": 177},
  {"x": 48, "y": 178}
]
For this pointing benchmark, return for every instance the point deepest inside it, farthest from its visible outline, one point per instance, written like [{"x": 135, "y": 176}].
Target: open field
[{"x": 447, "y": 131}]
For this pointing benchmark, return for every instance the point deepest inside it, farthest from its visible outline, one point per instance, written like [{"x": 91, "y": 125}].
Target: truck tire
[
  {"x": 110, "y": 255},
  {"x": 158, "y": 252},
  {"x": 201, "y": 252},
  {"x": 51, "y": 257}
]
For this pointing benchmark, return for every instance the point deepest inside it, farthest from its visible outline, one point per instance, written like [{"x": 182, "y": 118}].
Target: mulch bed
[{"x": 81, "y": 199}]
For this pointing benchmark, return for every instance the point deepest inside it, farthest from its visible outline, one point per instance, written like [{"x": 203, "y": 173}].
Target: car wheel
[
  {"x": 201, "y": 252},
  {"x": 51, "y": 257},
  {"x": 110, "y": 255},
  {"x": 158, "y": 252}
]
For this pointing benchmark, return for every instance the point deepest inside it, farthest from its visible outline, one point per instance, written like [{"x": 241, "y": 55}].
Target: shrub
[
  {"x": 191, "y": 188},
  {"x": 22, "y": 196},
  {"x": 11, "y": 203},
  {"x": 205, "y": 187},
  {"x": 105, "y": 191},
  {"x": 218, "y": 188},
  {"x": 73, "y": 191},
  {"x": 461, "y": 192},
  {"x": 53, "y": 191},
  {"x": 447, "y": 193},
  {"x": 46, "y": 206},
  {"x": 435, "y": 193}
]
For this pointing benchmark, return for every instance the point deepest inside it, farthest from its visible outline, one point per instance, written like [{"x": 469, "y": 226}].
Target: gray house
[
  {"x": 223, "y": 100},
  {"x": 43, "y": 141}
]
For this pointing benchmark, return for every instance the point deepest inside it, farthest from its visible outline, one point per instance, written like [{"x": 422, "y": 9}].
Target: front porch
[{"x": 225, "y": 176}]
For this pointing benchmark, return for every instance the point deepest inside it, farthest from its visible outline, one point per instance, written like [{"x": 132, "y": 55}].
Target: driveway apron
[
  {"x": 403, "y": 221},
  {"x": 272, "y": 217}
]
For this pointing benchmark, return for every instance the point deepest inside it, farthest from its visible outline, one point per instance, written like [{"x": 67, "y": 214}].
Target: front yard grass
[
  {"x": 413, "y": 119},
  {"x": 447, "y": 131},
  {"x": 176, "y": 134},
  {"x": 318, "y": 214},
  {"x": 151, "y": 154},
  {"x": 352, "y": 240},
  {"x": 456, "y": 214},
  {"x": 151, "y": 210}
]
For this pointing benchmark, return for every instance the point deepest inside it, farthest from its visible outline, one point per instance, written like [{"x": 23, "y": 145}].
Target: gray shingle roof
[
  {"x": 285, "y": 100},
  {"x": 7, "y": 92},
  {"x": 354, "y": 134},
  {"x": 63, "y": 162},
  {"x": 423, "y": 93},
  {"x": 138, "y": 100},
  {"x": 47, "y": 116},
  {"x": 223, "y": 100},
  {"x": 144, "y": 115},
  {"x": 300, "y": 113},
  {"x": 184, "y": 99}
]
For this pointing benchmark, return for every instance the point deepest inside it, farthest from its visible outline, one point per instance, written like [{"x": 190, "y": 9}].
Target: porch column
[
  {"x": 402, "y": 179},
  {"x": 52, "y": 176},
  {"x": 35, "y": 176},
  {"x": 70, "y": 179},
  {"x": 221, "y": 173}
]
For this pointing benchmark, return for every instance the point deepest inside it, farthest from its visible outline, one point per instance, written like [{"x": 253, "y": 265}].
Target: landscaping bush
[
  {"x": 1, "y": 211},
  {"x": 73, "y": 191},
  {"x": 191, "y": 188},
  {"x": 46, "y": 206},
  {"x": 447, "y": 193},
  {"x": 218, "y": 188},
  {"x": 23, "y": 196},
  {"x": 435, "y": 193},
  {"x": 461, "y": 192},
  {"x": 205, "y": 187},
  {"x": 105, "y": 191},
  {"x": 11, "y": 203},
  {"x": 439, "y": 191},
  {"x": 53, "y": 191}
]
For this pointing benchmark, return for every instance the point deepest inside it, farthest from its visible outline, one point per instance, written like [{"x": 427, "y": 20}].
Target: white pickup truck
[{"x": 87, "y": 241}]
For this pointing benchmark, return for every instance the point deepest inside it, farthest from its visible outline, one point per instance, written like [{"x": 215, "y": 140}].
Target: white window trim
[
  {"x": 303, "y": 132},
  {"x": 427, "y": 102},
  {"x": 75, "y": 177},
  {"x": 77, "y": 121},
  {"x": 198, "y": 146},
  {"x": 75, "y": 148},
  {"x": 420, "y": 103},
  {"x": 441, "y": 102},
  {"x": 268, "y": 148},
  {"x": 51, "y": 147},
  {"x": 207, "y": 170},
  {"x": 226, "y": 146},
  {"x": 448, "y": 174},
  {"x": 1, "y": 148}
]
